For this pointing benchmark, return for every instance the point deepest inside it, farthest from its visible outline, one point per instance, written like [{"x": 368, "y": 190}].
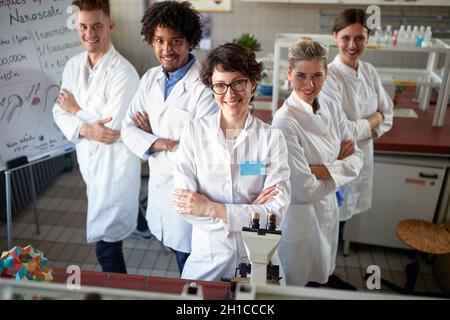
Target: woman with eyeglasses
[
  {"x": 357, "y": 88},
  {"x": 230, "y": 165},
  {"x": 322, "y": 158}
]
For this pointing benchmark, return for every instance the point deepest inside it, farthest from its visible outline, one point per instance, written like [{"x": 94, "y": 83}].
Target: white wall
[{"x": 127, "y": 34}]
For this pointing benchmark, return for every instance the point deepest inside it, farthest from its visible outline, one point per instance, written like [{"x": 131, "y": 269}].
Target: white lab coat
[
  {"x": 189, "y": 99},
  {"x": 111, "y": 172},
  {"x": 205, "y": 165},
  {"x": 360, "y": 93},
  {"x": 310, "y": 229}
]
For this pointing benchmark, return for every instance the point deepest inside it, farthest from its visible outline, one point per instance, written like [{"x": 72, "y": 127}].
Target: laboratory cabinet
[{"x": 404, "y": 187}]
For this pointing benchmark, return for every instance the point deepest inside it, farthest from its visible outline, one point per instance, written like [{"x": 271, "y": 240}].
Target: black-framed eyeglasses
[{"x": 236, "y": 85}]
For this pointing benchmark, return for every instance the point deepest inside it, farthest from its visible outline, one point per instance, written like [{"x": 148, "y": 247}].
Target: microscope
[{"x": 260, "y": 245}]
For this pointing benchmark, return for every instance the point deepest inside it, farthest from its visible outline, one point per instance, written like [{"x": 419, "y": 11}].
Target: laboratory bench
[
  {"x": 416, "y": 135},
  {"x": 140, "y": 283}
]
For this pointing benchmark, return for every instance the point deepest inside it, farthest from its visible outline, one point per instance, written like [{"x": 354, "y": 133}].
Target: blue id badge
[{"x": 256, "y": 168}]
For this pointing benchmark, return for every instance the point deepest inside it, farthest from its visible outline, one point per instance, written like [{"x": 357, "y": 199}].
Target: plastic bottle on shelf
[
  {"x": 408, "y": 34},
  {"x": 420, "y": 36},
  {"x": 379, "y": 36},
  {"x": 427, "y": 38},
  {"x": 401, "y": 35},
  {"x": 394, "y": 38},
  {"x": 414, "y": 35},
  {"x": 388, "y": 35},
  {"x": 372, "y": 38}
]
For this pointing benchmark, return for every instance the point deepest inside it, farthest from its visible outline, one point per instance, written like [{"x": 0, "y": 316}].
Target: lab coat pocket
[
  {"x": 251, "y": 185},
  {"x": 369, "y": 102},
  {"x": 221, "y": 246},
  {"x": 300, "y": 223},
  {"x": 177, "y": 118},
  {"x": 98, "y": 101},
  {"x": 160, "y": 193},
  {"x": 201, "y": 245},
  {"x": 98, "y": 98}
]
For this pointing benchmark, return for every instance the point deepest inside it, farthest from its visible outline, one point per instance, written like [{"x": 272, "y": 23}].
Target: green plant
[{"x": 248, "y": 40}]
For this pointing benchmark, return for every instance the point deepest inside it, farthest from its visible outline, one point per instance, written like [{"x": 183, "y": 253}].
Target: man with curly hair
[
  {"x": 168, "y": 96},
  {"x": 97, "y": 87}
]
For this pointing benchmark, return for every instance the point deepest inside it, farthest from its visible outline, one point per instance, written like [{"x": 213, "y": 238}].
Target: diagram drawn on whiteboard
[
  {"x": 10, "y": 105},
  {"x": 33, "y": 54}
]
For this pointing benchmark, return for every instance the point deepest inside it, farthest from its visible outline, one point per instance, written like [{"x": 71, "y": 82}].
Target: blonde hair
[{"x": 307, "y": 49}]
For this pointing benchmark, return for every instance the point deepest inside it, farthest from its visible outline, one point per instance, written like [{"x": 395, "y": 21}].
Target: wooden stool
[{"x": 424, "y": 237}]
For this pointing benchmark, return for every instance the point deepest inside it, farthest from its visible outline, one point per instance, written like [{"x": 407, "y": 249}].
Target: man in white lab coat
[
  {"x": 168, "y": 96},
  {"x": 96, "y": 90}
]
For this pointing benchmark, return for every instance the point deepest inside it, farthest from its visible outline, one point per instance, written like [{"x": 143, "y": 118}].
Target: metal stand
[
  {"x": 8, "y": 208},
  {"x": 33, "y": 195},
  {"x": 8, "y": 196}
]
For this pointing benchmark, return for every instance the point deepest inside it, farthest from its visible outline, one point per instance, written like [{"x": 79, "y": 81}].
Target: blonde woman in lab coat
[
  {"x": 322, "y": 157},
  {"x": 229, "y": 166},
  {"x": 357, "y": 88}
]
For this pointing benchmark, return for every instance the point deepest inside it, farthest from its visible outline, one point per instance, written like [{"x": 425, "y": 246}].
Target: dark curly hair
[
  {"x": 180, "y": 17},
  {"x": 90, "y": 5},
  {"x": 231, "y": 57},
  {"x": 349, "y": 17}
]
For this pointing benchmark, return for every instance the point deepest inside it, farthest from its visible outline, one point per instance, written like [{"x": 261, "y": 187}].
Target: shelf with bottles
[
  {"x": 427, "y": 78},
  {"x": 409, "y": 77},
  {"x": 285, "y": 40},
  {"x": 409, "y": 36}
]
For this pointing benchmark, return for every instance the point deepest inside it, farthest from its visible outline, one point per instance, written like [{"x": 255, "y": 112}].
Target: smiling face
[
  {"x": 234, "y": 104},
  {"x": 94, "y": 30},
  {"x": 171, "y": 48},
  {"x": 351, "y": 42},
  {"x": 307, "y": 77}
]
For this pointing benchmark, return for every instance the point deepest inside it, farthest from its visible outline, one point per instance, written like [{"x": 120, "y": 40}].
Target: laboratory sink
[{"x": 405, "y": 113}]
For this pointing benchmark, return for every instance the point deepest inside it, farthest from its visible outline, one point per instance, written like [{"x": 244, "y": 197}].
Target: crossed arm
[
  {"x": 196, "y": 204},
  {"x": 97, "y": 130},
  {"x": 321, "y": 172}
]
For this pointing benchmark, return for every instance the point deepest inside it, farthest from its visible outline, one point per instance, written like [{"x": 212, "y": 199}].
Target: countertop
[{"x": 417, "y": 135}]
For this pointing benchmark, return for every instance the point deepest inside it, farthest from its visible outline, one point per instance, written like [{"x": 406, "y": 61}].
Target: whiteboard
[{"x": 35, "y": 44}]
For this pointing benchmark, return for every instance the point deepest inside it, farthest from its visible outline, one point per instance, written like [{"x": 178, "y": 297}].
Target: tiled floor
[
  {"x": 62, "y": 238},
  {"x": 62, "y": 207}
]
